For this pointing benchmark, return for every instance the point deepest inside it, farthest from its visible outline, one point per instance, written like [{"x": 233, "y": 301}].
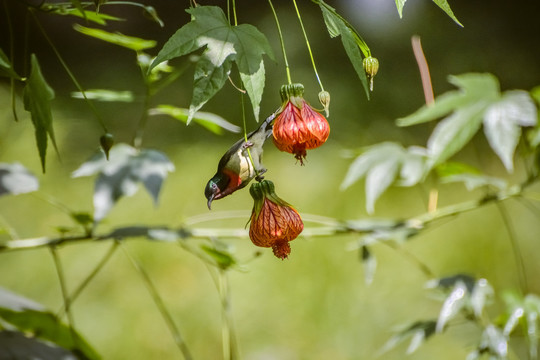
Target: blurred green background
[{"x": 315, "y": 305}]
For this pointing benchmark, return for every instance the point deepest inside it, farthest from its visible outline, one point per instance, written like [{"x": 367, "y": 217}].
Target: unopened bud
[
  {"x": 324, "y": 98},
  {"x": 107, "y": 142},
  {"x": 371, "y": 67}
]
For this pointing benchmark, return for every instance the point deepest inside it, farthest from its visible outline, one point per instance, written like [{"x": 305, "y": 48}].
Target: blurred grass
[{"x": 314, "y": 305}]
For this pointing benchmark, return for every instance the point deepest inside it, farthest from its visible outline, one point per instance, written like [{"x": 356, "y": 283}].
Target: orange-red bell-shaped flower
[
  {"x": 298, "y": 127},
  {"x": 273, "y": 221}
]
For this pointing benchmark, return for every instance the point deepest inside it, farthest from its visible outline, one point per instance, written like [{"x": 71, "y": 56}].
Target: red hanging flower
[
  {"x": 273, "y": 222},
  {"x": 298, "y": 127}
]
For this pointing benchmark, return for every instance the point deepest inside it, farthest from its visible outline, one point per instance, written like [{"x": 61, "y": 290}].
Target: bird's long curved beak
[{"x": 210, "y": 199}]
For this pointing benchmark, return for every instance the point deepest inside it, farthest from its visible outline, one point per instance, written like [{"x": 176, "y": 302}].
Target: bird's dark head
[{"x": 213, "y": 190}]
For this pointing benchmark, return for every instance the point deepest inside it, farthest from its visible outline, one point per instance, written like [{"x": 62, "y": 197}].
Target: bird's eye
[{"x": 214, "y": 186}]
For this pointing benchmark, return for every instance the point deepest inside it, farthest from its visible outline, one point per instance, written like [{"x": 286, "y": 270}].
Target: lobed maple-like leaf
[
  {"x": 121, "y": 175},
  {"x": 478, "y": 102},
  {"x": 383, "y": 165},
  {"x": 223, "y": 44}
]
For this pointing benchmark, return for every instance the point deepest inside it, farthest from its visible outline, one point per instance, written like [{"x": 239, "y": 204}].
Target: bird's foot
[
  {"x": 246, "y": 145},
  {"x": 260, "y": 173}
]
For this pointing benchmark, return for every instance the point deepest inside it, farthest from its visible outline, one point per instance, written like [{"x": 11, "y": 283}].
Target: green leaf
[
  {"x": 77, "y": 5},
  {"x": 121, "y": 174},
  {"x": 31, "y": 318},
  {"x": 17, "y": 345},
  {"x": 451, "y": 168},
  {"x": 399, "y": 5},
  {"x": 336, "y": 26},
  {"x": 208, "y": 80},
  {"x": 105, "y": 95},
  {"x": 130, "y": 42},
  {"x": 151, "y": 12},
  {"x": 223, "y": 259},
  {"x": 96, "y": 17},
  {"x": 443, "y": 4},
  {"x": 16, "y": 179},
  {"x": 6, "y": 67},
  {"x": 210, "y": 121},
  {"x": 223, "y": 43},
  {"x": 503, "y": 121},
  {"x": 37, "y": 96},
  {"x": 382, "y": 165}
]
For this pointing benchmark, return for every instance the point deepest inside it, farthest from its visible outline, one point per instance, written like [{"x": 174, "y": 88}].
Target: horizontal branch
[{"x": 407, "y": 228}]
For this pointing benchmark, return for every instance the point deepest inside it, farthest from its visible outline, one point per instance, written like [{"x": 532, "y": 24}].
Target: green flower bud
[
  {"x": 371, "y": 67},
  {"x": 107, "y": 142},
  {"x": 324, "y": 98}
]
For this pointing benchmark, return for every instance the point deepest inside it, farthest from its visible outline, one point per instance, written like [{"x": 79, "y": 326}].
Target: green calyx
[
  {"x": 293, "y": 93},
  {"x": 264, "y": 190}
]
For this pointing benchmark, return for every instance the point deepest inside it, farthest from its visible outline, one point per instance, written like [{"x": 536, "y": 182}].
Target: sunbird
[{"x": 235, "y": 169}]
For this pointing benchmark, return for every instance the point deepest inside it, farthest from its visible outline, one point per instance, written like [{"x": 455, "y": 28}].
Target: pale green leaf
[
  {"x": 378, "y": 179},
  {"x": 472, "y": 88},
  {"x": 481, "y": 295},
  {"x": 122, "y": 173},
  {"x": 419, "y": 332},
  {"x": 452, "y": 133},
  {"x": 381, "y": 164},
  {"x": 210, "y": 121},
  {"x": 474, "y": 181},
  {"x": 399, "y": 5},
  {"x": 455, "y": 301},
  {"x": 37, "y": 96},
  {"x": 443, "y": 4},
  {"x": 503, "y": 121},
  {"x": 513, "y": 320},
  {"x": 130, "y": 42},
  {"x": 16, "y": 179}
]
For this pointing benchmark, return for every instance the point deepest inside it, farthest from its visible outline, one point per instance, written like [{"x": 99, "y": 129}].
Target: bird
[{"x": 235, "y": 169}]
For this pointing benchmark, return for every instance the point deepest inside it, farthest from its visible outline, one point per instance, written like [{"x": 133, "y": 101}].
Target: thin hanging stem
[
  {"x": 245, "y": 135},
  {"x": 230, "y": 344},
  {"x": 234, "y": 12},
  {"x": 11, "y": 58},
  {"x": 518, "y": 257},
  {"x": 71, "y": 299},
  {"x": 282, "y": 42},
  {"x": 70, "y": 74},
  {"x": 308, "y": 45},
  {"x": 63, "y": 289},
  {"x": 160, "y": 304},
  {"x": 426, "y": 270},
  {"x": 139, "y": 133}
]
